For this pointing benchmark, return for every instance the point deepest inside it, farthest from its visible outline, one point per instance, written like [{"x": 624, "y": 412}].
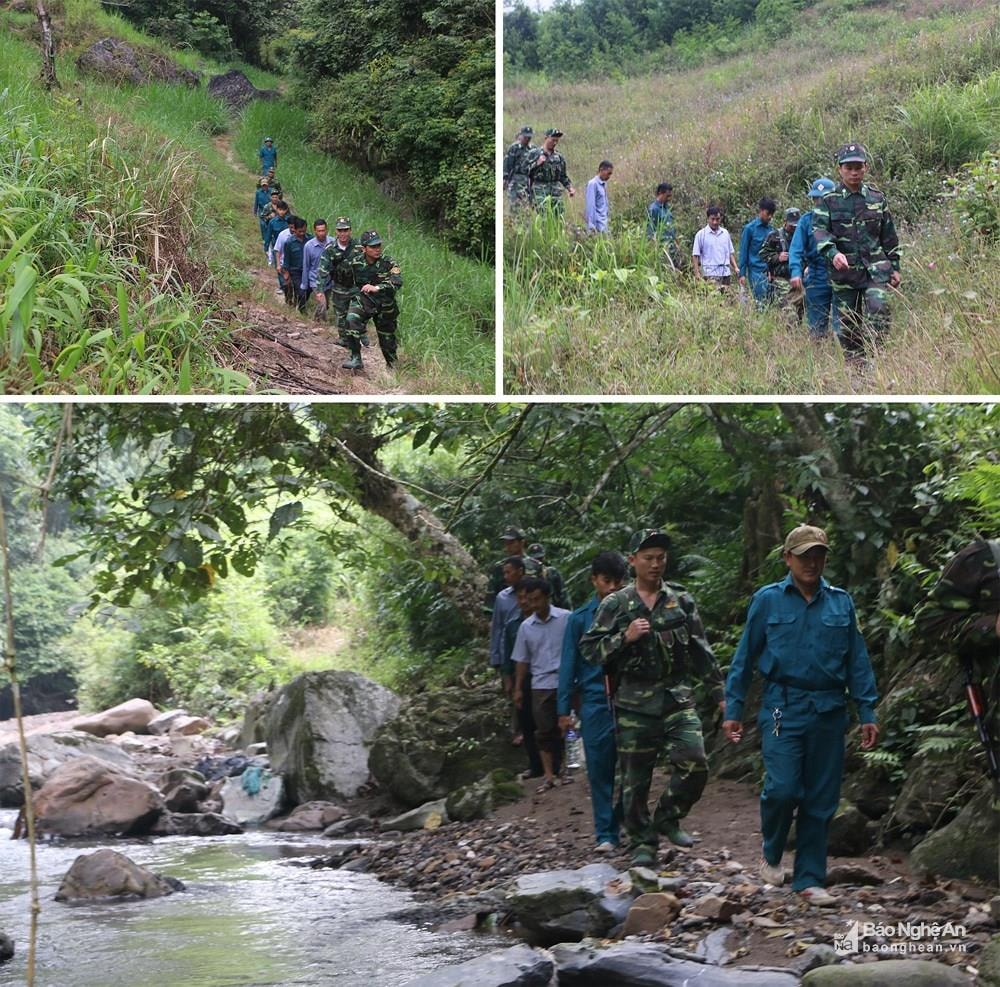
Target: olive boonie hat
[
  {"x": 553, "y": 132},
  {"x": 804, "y": 537},
  {"x": 512, "y": 534},
  {"x": 820, "y": 187},
  {"x": 793, "y": 214},
  {"x": 526, "y": 131},
  {"x": 343, "y": 223},
  {"x": 851, "y": 152},
  {"x": 370, "y": 238},
  {"x": 648, "y": 538}
]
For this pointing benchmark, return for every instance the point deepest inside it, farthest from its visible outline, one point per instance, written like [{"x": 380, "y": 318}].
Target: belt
[{"x": 791, "y": 683}]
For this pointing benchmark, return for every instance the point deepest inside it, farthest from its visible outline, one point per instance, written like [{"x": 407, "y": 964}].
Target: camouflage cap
[
  {"x": 370, "y": 238},
  {"x": 804, "y": 537},
  {"x": 851, "y": 152},
  {"x": 648, "y": 538},
  {"x": 526, "y": 132},
  {"x": 553, "y": 132},
  {"x": 536, "y": 550},
  {"x": 510, "y": 533},
  {"x": 792, "y": 214},
  {"x": 820, "y": 187},
  {"x": 343, "y": 223},
  {"x": 263, "y": 181}
]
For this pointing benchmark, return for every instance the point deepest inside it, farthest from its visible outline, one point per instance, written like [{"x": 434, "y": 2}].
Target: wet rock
[
  {"x": 965, "y": 848},
  {"x": 250, "y": 808},
  {"x": 569, "y": 904},
  {"x": 109, "y": 874},
  {"x": 134, "y": 715},
  {"x": 195, "y": 824},
  {"x": 6, "y": 948},
  {"x": 813, "y": 957},
  {"x": 712, "y": 949},
  {"x": 853, "y": 874},
  {"x": 87, "y": 797},
  {"x": 650, "y": 913},
  {"x": 320, "y": 728},
  {"x": 638, "y": 964},
  {"x": 430, "y": 815},
  {"x": 308, "y": 817},
  {"x": 160, "y": 724},
  {"x": 346, "y": 826},
  {"x": 444, "y": 741},
  {"x": 887, "y": 973},
  {"x": 181, "y": 776},
  {"x": 519, "y": 966},
  {"x": 186, "y": 796},
  {"x": 46, "y": 752},
  {"x": 236, "y": 90},
  {"x": 848, "y": 834},
  {"x": 117, "y": 61},
  {"x": 478, "y": 800},
  {"x": 989, "y": 964}
]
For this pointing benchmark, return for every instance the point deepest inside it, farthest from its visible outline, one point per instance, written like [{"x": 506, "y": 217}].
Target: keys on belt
[{"x": 776, "y": 716}]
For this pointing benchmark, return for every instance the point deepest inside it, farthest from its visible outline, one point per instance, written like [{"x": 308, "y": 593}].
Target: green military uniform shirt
[
  {"x": 965, "y": 602},
  {"x": 663, "y": 664},
  {"x": 384, "y": 272},
  {"x": 549, "y": 178},
  {"x": 331, "y": 272},
  {"x": 515, "y": 168}
]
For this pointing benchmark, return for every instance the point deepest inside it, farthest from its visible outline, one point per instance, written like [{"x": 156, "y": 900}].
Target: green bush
[
  {"x": 976, "y": 194},
  {"x": 300, "y": 578}
]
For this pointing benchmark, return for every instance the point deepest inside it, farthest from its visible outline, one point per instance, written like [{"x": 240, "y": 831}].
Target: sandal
[
  {"x": 565, "y": 779},
  {"x": 545, "y": 786}
]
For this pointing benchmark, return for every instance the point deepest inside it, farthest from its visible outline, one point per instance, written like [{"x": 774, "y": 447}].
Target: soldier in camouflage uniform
[
  {"x": 855, "y": 232},
  {"x": 774, "y": 253},
  {"x": 339, "y": 287},
  {"x": 965, "y": 604},
  {"x": 514, "y": 540},
  {"x": 515, "y": 169},
  {"x": 536, "y": 552},
  {"x": 547, "y": 174},
  {"x": 375, "y": 279},
  {"x": 651, "y": 640}
]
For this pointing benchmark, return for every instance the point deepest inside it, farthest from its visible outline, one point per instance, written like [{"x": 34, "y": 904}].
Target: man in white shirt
[
  {"x": 596, "y": 210},
  {"x": 712, "y": 251}
]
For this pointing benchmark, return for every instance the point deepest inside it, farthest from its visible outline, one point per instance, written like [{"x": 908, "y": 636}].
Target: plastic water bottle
[{"x": 574, "y": 749}]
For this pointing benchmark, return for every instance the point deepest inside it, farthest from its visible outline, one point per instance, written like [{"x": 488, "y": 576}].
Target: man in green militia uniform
[
  {"x": 854, "y": 231},
  {"x": 376, "y": 278},
  {"x": 547, "y": 174},
  {"x": 515, "y": 169},
  {"x": 514, "y": 541},
  {"x": 651, "y": 641},
  {"x": 339, "y": 287}
]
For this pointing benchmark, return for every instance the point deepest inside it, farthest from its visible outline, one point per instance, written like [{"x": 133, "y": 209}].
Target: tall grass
[{"x": 446, "y": 322}]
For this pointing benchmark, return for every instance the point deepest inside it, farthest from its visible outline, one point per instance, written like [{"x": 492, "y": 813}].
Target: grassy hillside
[
  {"x": 918, "y": 82},
  {"x": 127, "y": 244}
]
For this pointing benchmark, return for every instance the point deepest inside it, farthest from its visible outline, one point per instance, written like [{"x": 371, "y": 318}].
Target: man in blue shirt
[
  {"x": 290, "y": 260},
  {"x": 802, "y": 633},
  {"x": 268, "y": 155},
  {"x": 607, "y": 574},
  {"x": 808, "y": 269},
  {"x": 597, "y": 210},
  {"x": 752, "y": 238},
  {"x": 311, "y": 255},
  {"x": 660, "y": 224}
]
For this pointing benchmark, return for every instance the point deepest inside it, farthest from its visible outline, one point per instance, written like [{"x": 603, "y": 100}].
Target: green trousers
[{"x": 676, "y": 734}]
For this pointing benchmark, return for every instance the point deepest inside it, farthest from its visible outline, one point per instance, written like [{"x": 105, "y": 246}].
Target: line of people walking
[
  {"x": 352, "y": 276},
  {"x": 833, "y": 266}
]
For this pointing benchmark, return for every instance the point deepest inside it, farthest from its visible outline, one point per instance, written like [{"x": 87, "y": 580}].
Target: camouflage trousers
[
  {"x": 548, "y": 196},
  {"x": 790, "y": 301},
  {"x": 641, "y": 740},
  {"x": 862, "y": 314},
  {"x": 341, "y": 302},
  {"x": 359, "y": 311},
  {"x": 518, "y": 192}
]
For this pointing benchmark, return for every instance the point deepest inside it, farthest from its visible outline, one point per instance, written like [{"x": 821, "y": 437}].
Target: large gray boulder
[
  {"x": 109, "y": 874},
  {"x": 135, "y": 715},
  {"x": 444, "y": 741},
  {"x": 966, "y": 848},
  {"x": 519, "y": 966},
  {"x": 566, "y": 905},
  {"x": 252, "y": 808},
  {"x": 320, "y": 728},
  {"x": 87, "y": 797},
  {"x": 118, "y": 61},
  {"x": 989, "y": 964},
  {"x": 195, "y": 824},
  {"x": 888, "y": 973},
  {"x": 235, "y": 90},
  {"x": 6, "y": 948},
  {"x": 641, "y": 964},
  {"x": 46, "y": 752},
  {"x": 927, "y": 798}
]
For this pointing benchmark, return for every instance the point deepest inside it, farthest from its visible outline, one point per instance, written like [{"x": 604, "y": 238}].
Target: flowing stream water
[{"x": 251, "y": 916}]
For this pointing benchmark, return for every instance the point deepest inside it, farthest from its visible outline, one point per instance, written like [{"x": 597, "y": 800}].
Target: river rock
[
  {"x": 640, "y": 964},
  {"x": 650, "y": 913},
  {"x": 189, "y": 726},
  {"x": 6, "y": 948},
  {"x": 255, "y": 713},
  {"x": 813, "y": 957},
  {"x": 853, "y": 874},
  {"x": 519, "y": 966},
  {"x": 444, "y": 741},
  {"x": 252, "y": 810},
  {"x": 713, "y": 948},
  {"x": 478, "y": 800},
  {"x": 117, "y": 61},
  {"x": 887, "y": 973},
  {"x": 109, "y": 874},
  {"x": 181, "y": 776},
  {"x": 989, "y": 964},
  {"x": 848, "y": 835},
  {"x": 430, "y": 812},
  {"x": 160, "y": 724},
  {"x": 195, "y": 824},
  {"x": 308, "y": 817},
  {"x": 319, "y": 731},
  {"x": 966, "y": 848},
  {"x": 185, "y": 797},
  {"x": 343, "y": 827},
  {"x": 134, "y": 715},
  {"x": 87, "y": 797},
  {"x": 46, "y": 752},
  {"x": 567, "y": 905}
]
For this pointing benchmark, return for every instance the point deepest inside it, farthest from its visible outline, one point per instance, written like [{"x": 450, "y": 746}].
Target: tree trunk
[{"x": 49, "y": 79}]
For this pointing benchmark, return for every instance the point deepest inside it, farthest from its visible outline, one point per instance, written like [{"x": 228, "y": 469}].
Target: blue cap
[{"x": 820, "y": 187}]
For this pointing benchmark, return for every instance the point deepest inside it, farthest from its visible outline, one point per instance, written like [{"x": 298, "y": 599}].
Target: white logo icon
[{"x": 848, "y": 942}]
